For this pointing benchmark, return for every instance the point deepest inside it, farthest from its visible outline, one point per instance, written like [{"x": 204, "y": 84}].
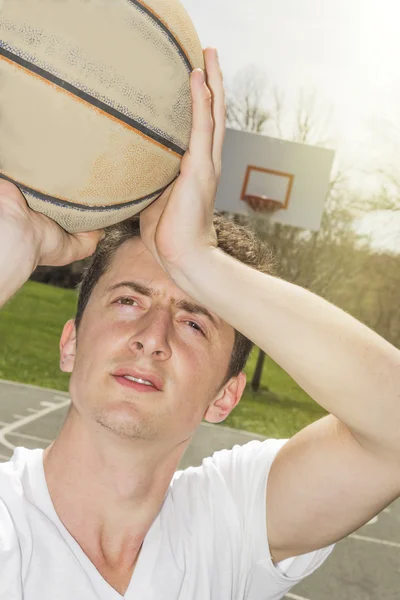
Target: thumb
[{"x": 83, "y": 245}]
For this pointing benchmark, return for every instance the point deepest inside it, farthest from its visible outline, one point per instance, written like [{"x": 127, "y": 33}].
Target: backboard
[{"x": 287, "y": 181}]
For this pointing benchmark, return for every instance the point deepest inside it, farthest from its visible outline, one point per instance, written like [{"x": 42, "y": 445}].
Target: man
[{"x": 102, "y": 513}]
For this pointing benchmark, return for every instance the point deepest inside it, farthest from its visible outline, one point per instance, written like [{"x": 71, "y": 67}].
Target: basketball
[{"x": 95, "y": 104}]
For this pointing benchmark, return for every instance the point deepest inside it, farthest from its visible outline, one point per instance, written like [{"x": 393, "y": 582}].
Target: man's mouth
[
  {"x": 144, "y": 381},
  {"x": 132, "y": 377}
]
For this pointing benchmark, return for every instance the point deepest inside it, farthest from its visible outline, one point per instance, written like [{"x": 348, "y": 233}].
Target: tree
[
  {"x": 244, "y": 108},
  {"x": 251, "y": 107}
]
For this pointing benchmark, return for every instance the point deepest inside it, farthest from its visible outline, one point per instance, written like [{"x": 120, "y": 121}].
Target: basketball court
[{"x": 365, "y": 566}]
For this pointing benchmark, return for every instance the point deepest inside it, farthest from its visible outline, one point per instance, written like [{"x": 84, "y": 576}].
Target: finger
[
  {"x": 215, "y": 83},
  {"x": 82, "y": 245},
  {"x": 150, "y": 216},
  {"x": 201, "y": 138},
  {"x": 156, "y": 208}
]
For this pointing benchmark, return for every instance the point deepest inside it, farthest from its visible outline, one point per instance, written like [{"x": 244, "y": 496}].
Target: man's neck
[{"x": 107, "y": 491}]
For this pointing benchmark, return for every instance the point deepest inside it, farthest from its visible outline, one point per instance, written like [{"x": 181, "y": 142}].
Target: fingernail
[{"x": 202, "y": 78}]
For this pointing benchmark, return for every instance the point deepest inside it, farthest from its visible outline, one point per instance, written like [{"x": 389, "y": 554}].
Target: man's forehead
[
  {"x": 131, "y": 249},
  {"x": 133, "y": 262},
  {"x": 134, "y": 269}
]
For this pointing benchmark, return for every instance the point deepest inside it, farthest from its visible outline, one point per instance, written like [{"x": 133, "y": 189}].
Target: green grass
[
  {"x": 279, "y": 409},
  {"x": 30, "y": 328}
]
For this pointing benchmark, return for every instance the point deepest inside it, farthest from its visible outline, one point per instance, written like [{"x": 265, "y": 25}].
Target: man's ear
[
  {"x": 68, "y": 347},
  {"x": 226, "y": 400}
]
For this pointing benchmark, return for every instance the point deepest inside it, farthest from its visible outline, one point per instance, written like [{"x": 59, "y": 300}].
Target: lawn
[{"x": 30, "y": 327}]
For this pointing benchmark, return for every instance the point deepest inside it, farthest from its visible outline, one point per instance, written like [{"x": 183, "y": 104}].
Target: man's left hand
[{"x": 179, "y": 224}]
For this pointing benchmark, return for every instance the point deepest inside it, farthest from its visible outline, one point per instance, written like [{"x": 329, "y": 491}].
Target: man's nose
[{"x": 151, "y": 335}]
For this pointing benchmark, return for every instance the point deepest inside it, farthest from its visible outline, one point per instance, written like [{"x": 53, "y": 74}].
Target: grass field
[{"x": 30, "y": 327}]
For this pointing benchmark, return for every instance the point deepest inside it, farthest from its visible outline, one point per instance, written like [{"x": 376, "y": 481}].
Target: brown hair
[{"x": 238, "y": 241}]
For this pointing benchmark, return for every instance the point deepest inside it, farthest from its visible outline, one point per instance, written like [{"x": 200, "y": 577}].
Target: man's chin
[{"x": 124, "y": 421}]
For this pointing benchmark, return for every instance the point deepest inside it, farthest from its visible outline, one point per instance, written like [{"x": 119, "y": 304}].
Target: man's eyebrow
[
  {"x": 139, "y": 288},
  {"x": 196, "y": 309},
  {"x": 186, "y": 305}
]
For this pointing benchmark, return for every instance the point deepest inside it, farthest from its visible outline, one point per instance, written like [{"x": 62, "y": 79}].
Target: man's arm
[
  {"x": 343, "y": 365},
  {"x": 16, "y": 266},
  {"x": 17, "y": 247},
  {"x": 338, "y": 473},
  {"x": 29, "y": 239},
  {"x": 323, "y": 485}
]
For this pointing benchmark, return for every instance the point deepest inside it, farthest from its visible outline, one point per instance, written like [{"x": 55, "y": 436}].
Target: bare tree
[
  {"x": 311, "y": 122},
  {"x": 245, "y": 98},
  {"x": 336, "y": 262},
  {"x": 251, "y": 106}
]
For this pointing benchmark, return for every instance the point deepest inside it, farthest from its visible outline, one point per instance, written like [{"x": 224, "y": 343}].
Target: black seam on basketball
[
  {"x": 170, "y": 35},
  {"x": 93, "y": 101},
  {"x": 81, "y": 207}
]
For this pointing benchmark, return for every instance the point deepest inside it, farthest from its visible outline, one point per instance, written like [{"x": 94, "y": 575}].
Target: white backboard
[{"x": 295, "y": 175}]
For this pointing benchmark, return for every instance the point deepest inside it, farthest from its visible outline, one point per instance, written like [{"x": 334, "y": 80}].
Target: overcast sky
[{"x": 347, "y": 51}]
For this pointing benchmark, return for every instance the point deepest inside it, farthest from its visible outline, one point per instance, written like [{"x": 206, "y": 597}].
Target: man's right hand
[{"x": 44, "y": 242}]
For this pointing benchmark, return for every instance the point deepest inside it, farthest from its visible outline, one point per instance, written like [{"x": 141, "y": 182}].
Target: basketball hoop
[
  {"x": 266, "y": 191},
  {"x": 263, "y": 204}
]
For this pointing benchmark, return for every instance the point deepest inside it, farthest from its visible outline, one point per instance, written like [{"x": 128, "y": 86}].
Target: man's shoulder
[
  {"x": 15, "y": 524},
  {"x": 13, "y": 469},
  {"x": 10, "y": 554},
  {"x": 235, "y": 470},
  {"x": 254, "y": 455},
  {"x": 10, "y": 477},
  {"x": 11, "y": 511},
  {"x": 14, "y": 479}
]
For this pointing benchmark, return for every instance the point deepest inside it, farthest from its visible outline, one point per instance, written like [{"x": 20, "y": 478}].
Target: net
[{"x": 262, "y": 204}]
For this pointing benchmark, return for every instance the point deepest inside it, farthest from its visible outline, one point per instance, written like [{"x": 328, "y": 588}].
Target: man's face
[{"x": 139, "y": 323}]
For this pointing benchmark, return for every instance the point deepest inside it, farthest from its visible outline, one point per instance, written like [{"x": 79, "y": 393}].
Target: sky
[{"x": 345, "y": 51}]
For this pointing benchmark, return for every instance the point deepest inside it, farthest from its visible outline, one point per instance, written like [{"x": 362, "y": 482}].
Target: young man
[{"x": 102, "y": 513}]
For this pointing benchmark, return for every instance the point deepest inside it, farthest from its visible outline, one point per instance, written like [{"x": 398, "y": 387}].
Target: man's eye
[
  {"x": 125, "y": 301},
  {"x": 195, "y": 326}
]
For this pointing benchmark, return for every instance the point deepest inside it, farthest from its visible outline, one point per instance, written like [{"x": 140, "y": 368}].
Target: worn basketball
[{"x": 95, "y": 104}]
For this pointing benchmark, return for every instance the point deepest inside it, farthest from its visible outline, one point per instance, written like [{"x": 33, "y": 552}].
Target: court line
[
  {"x": 363, "y": 538},
  {"x": 61, "y": 398},
  {"x": 49, "y": 407},
  {"x": 294, "y": 597},
  {"x": 34, "y": 387},
  {"x": 26, "y": 436}
]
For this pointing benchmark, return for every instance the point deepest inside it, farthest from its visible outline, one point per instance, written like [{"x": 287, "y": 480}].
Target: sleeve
[
  {"x": 245, "y": 471},
  {"x": 10, "y": 558}
]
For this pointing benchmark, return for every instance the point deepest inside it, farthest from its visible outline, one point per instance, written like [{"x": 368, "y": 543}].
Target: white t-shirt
[{"x": 209, "y": 541}]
